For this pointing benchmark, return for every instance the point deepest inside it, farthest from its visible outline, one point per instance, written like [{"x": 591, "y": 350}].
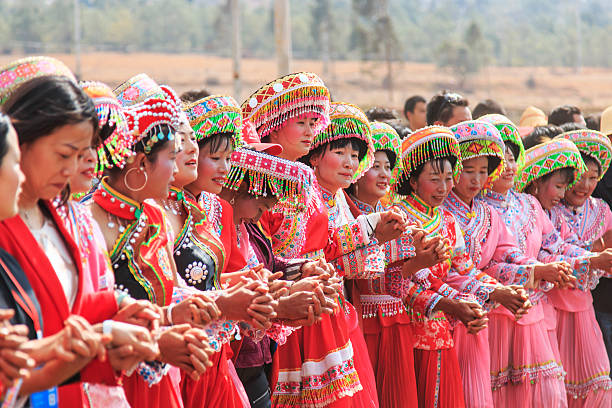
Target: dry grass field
[{"x": 361, "y": 82}]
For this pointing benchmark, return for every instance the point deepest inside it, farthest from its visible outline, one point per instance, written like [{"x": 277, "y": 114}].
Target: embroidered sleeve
[
  {"x": 279, "y": 332},
  {"x": 362, "y": 263},
  {"x": 399, "y": 249},
  {"x": 152, "y": 371},
  {"x": 220, "y": 332},
  {"x": 349, "y": 237}
]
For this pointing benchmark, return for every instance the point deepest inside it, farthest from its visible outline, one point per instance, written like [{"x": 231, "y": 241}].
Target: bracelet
[
  {"x": 107, "y": 327},
  {"x": 120, "y": 297},
  {"x": 169, "y": 314}
]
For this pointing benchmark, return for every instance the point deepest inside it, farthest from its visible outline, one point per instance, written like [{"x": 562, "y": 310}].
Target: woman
[
  {"x": 530, "y": 375},
  {"x": 280, "y": 180},
  {"x": 584, "y": 358},
  {"x": 290, "y": 111},
  {"x": 490, "y": 246},
  {"x": 136, "y": 237}
]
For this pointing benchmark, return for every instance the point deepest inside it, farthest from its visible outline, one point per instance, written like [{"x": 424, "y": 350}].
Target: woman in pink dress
[{"x": 583, "y": 220}]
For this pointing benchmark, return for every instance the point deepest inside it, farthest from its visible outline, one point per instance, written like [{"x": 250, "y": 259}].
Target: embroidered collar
[
  {"x": 363, "y": 206},
  {"x": 328, "y": 197},
  {"x": 458, "y": 207},
  {"x": 494, "y": 198},
  {"x": 116, "y": 203},
  {"x": 429, "y": 217},
  {"x": 176, "y": 194}
]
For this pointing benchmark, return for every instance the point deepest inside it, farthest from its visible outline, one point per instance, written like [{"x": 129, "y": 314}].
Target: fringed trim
[
  {"x": 297, "y": 101},
  {"x": 598, "y": 382},
  {"x": 342, "y": 387},
  {"x": 432, "y": 149},
  {"x": 531, "y": 373},
  {"x": 483, "y": 147},
  {"x": 387, "y": 305},
  {"x": 115, "y": 150}
]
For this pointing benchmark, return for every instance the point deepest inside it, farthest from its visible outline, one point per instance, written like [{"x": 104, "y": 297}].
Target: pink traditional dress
[
  {"x": 493, "y": 249},
  {"x": 530, "y": 372},
  {"x": 580, "y": 340}
]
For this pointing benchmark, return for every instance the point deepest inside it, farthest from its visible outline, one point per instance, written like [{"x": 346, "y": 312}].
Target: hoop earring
[
  {"x": 126, "y": 182},
  {"x": 232, "y": 201}
]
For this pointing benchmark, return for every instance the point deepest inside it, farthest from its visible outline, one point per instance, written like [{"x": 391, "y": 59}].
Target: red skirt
[
  {"x": 390, "y": 347},
  {"x": 164, "y": 394},
  {"x": 316, "y": 366},
  {"x": 438, "y": 379},
  {"x": 215, "y": 388}
]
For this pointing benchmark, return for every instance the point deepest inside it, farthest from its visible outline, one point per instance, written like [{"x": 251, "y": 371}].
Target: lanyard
[{"x": 24, "y": 300}]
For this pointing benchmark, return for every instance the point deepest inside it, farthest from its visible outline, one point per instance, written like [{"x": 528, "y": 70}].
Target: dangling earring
[
  {"x": 232, "y": 201},
  {"x": 125, "y": 179}
]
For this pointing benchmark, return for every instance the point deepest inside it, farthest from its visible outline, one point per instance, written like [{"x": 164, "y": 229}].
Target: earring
[{"x": 125, "y": 179}]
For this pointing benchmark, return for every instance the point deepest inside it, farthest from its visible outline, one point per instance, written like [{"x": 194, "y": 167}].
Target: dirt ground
[{"x": 361, "y": 82}]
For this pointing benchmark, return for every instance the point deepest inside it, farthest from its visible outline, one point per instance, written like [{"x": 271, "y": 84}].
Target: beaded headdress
[
  {"x": 287, "y": 180},
  {"x": 216, "y": 114},
  {"x": 593, "y": 144},
  {"x": 147, "y": 117},
  {"x": 137, "y": 89},
  {"x": 348, "y": 121},
  {"x": 115, "y": 148},
  {"x": 385, "y": 138},
  {"x": 17, "y": 72},
  {"x": 426, "y": 144},
  {"x": 547, "y": 157},
  {"x": 285, "y": 98},
  {"x": 477, "y": 138},
  {"x": 508, "y": 132}
]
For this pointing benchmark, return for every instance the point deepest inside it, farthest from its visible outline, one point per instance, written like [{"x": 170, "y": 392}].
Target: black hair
[
  {"x": 5, "y": 126},
  {"x": 404, "y": 187},
  {"x": 380, "y": 114},
  {"x": 563, "y": 114},
  {"x": 541, "y": 134},
  {"x": 44, "y": 104},
  {"x": 593, "y": 121},
  {"x": 216, "y": 142},
  {"x": 355, "y": 143},
  {"x": 566, "y": 172},
  {"x": 514, "y": 148},
  {"x": 440, "y": 107},
  {"x": 590, "y": 159},
  {"x": 411, "y": 102},
  {"x": 402, "y": 130},
  {"x": 194, "y": 95},
  {"x": 487, "y": 107},
  {"x": 571, "y": 126}
]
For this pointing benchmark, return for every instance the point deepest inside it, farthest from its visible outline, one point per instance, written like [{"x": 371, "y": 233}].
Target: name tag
[{"x": 45, "y": 399}]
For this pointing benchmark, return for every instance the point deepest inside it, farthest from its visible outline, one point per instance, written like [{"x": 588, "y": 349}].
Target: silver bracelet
[{"x": 169, "y": 313}]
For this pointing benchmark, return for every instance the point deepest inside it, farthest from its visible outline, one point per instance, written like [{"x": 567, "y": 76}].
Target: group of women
[{"x": 290, "y": 252}]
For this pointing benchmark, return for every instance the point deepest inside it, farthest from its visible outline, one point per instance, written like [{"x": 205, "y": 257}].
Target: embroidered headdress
[
  {"x": 348, "y": 121},
  {"x": 547, "y": 157},
  {"x": 426, "y": 144},
  {"x": 147, "y": 118},
  {"x": 477, "y": 138},
  {"x": 593, "y": 144},
  {"x": 508, "y": 132},
  {"x": 216, "y": 114},
  {"x": 385, "y": 138},
  {"x": 286, "y": 180},
  {"x": 17, "y": 72},
  {"x": 115, "y": 148},
  {"x": 137, "y": 89},
  {"x": 285, "y": 98}
]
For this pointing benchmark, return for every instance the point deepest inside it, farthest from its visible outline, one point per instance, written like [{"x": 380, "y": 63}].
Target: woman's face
[
  {"x": 295, "y": 136},
  {"x": 472, "y": 179},
  {"x": 582, "y": 190},
  {"x": 160, "y": 173},
  {"x": 212, "y": 169},
  {"x": 52, "y": 160},
  {"x": 81, "y": 181},
  {"x": 549, "y": 192},
  {"x": 433, "y": 186},
  {"x": 335, "y": 168},
  {"x": 249, "y": 209},
  {"x": 506, "y": 180},
  {"x": 374, "y": 184},
  {"x": 187, "y": 157},
  {"x": 11, "y": 177}
]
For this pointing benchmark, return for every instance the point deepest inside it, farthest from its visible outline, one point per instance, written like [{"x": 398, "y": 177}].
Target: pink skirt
[
  {"x": 475, "y": 365},
  {"x": 585, "y": 359},
  {"x": 524, "y": 370},
  {"x": 390, "y": 346}
]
